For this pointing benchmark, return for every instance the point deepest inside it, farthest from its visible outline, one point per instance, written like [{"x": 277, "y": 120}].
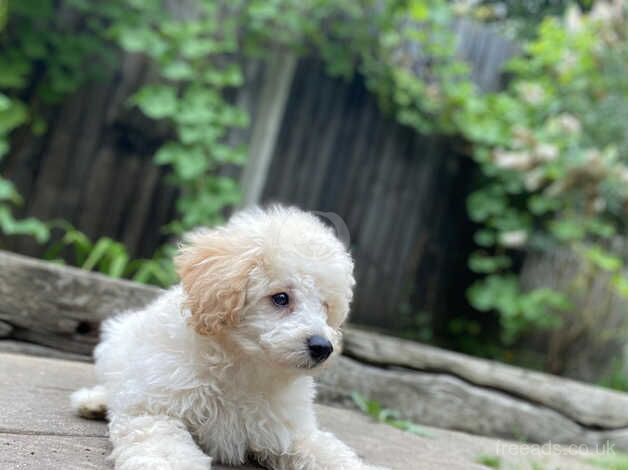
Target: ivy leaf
[
  {"x": 157, "y": 101},
  {"x": 5, "y": 102},
  {"x": 191, "y": 164},
  {"x": 12, "y": 116},
  {"x": 196, "y": 48},
  {"x": 485, "y": 238},
  {"x": 13, "y": 72},
  {"x": 178, "y": 70},
  {"x": 567, "y": 230},
  {"x": 486, "y": 203},
  {"x": 8, "y": 192},
  {"x": 603, "y": 259},
  {"x": 141, "y": 39},
  {"x": 481, "y": 263},
  {"x": 169, "y": 153}
]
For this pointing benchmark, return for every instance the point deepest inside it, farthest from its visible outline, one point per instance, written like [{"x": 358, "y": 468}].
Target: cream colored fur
[{"x": 213, "y": 369}]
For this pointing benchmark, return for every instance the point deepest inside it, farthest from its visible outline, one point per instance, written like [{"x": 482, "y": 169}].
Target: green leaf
[
  {"x": 196, "y": 48},
  {"x": 568, "y": 229},
  {"x": 178, "y": 70},
  {"x": 481, "y": 263},
  {"x": 603, "y": 259},
  {"x": 486, "y": 203},
  {"x": 169, "y": 153},
  {"x": 157, "y": 101},
  {"x": 118, "y": 265},
  {"x": 360, "y": 401},
  {"x": 13, "y": 72},
  {"x": 29, "y": 226},
  {"x": 485, "y": 238},
  {"x": 8, "y": 192},
  {"x": 97, "y": 253},
  {"x": 13, "y": 116},
  {"x": 5, "y": 102},
  {"x": 419, "y": 10}
]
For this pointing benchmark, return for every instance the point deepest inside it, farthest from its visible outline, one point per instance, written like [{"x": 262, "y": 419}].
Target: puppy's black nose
[{"x": 320, "y": 348}]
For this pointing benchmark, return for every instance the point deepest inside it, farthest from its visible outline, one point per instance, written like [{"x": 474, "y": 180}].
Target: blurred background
[{"x": 476, "y": 150}]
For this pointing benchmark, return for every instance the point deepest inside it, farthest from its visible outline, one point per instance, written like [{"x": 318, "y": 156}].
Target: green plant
[
  {"x": 110, "y": 257},
  {"x": 613, "y": 461},
  {"x": 46, "y": 53},
  {"x": 491, "y": 461},
  {"x": 384, "y": 415},
  {"x": 552, "y": 176},
  {"x": 617, "y": 378},
  {"x": 197, "y": 64}
]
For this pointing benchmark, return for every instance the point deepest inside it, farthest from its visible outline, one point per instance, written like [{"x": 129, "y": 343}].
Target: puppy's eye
[{"x": 281, "y": 299}]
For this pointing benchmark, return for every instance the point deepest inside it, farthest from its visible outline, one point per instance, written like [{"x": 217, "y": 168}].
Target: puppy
[{"x": 220, "y": 367}]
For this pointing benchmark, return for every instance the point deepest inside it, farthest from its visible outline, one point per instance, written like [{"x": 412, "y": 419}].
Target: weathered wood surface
[
  {"x": 446, "y": 401},
  {"x": 583, "y": 403},
  {"x": 60, "y": 308},
  {"x": 39, "y": 431}
]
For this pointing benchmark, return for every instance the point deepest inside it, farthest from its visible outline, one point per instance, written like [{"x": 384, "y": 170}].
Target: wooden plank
[
  {"x": 274, "y": 95},
  {"x": 52, "y": 452},
  {"x": 38, "y": 426},
  {"x": 40, "y": 431}
]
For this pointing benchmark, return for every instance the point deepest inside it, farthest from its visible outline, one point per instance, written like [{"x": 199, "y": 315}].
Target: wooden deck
[{"x": 39, "y": 431}]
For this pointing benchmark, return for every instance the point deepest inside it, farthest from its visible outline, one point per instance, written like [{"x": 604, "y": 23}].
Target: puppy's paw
[{"x": 90, "y": 403}]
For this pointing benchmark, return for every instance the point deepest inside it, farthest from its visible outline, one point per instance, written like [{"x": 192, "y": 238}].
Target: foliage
[
  {"x": 195, "y": 59},
  {"x": 384, "y": 415},
  {"x": 552, "y": 175},
  {"x": 110, "y": 257},
  {"x": 612, "y": 461},
  {"x": 517, "y": 18},
  {"x": 45, "y": 52},
  {"x": 491, "y": 461},
  {"x": 617, "y": 378}
]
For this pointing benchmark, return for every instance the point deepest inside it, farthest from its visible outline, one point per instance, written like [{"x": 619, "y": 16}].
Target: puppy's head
[{"x": 275, "y": 283}]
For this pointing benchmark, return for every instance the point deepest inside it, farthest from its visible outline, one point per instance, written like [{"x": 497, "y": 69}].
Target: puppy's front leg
[
  {"x": 319, "y": 450},
  {"x": 154, "y": 442}
]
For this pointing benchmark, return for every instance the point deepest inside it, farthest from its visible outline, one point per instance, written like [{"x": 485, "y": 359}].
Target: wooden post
[{"x": 267, "y": 123}]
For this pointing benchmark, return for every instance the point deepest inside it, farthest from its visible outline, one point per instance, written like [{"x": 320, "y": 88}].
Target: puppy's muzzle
[{"x": 319, "y": 348}]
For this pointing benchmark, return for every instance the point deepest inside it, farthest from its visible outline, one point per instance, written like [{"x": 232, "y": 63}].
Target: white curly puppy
[{"x": 219, "y": 367}]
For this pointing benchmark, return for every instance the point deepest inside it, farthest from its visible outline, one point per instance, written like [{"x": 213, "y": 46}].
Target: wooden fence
[{"x": 318, "y": 142}]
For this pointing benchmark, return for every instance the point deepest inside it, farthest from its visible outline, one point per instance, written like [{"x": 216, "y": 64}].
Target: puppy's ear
[{"x": 214, "y": 270}]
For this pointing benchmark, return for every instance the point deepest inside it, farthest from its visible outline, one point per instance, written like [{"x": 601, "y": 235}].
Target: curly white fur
[{"x": 213, "y": 369}]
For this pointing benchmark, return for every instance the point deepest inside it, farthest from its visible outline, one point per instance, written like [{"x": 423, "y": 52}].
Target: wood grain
[{"x": 39, "y": 431}]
